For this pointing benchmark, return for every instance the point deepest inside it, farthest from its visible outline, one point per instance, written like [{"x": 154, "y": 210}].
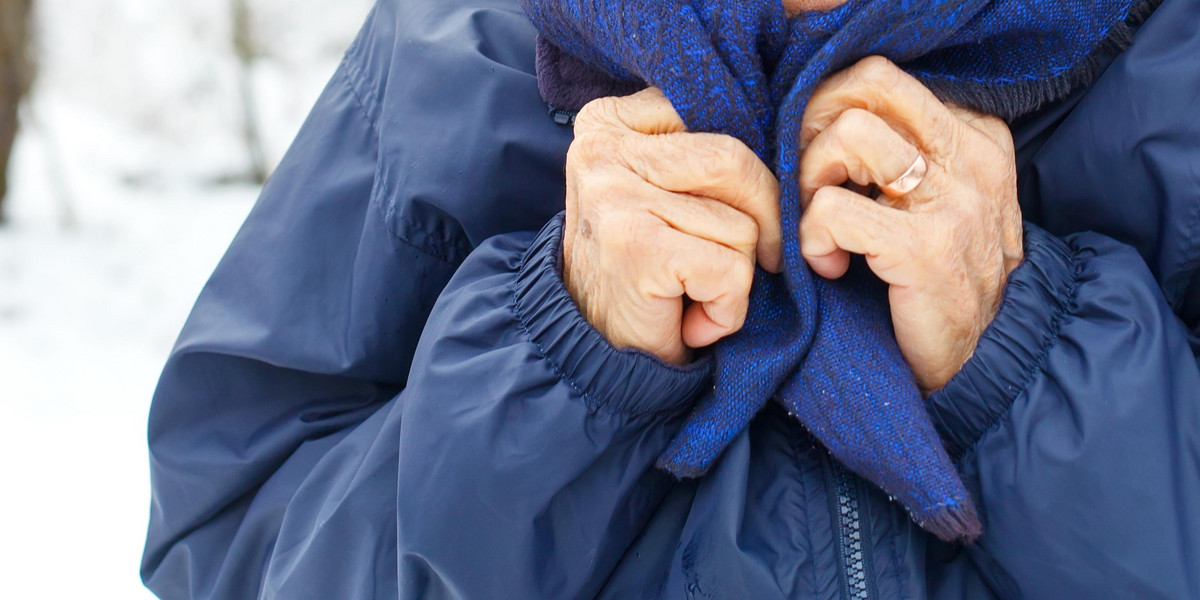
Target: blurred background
[{"x": 140, "y": 132}]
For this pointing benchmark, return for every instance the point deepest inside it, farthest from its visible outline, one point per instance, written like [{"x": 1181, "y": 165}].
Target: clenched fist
[
  {"x": 947, "y": 241},
  {"x": 663, "y": 227}
]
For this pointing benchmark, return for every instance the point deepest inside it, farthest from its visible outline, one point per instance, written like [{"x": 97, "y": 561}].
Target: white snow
[{"x": 134, "y": 121}]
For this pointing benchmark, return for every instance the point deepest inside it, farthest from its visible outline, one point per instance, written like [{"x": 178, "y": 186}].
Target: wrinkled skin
[
  {"x": 663, "y": 227},
  {"x": 654, "y": 214},
  {"x": 947, "y": 247}
]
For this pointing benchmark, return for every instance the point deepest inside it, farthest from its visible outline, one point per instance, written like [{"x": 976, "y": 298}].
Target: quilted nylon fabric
[{"x": 825, "y": 349}]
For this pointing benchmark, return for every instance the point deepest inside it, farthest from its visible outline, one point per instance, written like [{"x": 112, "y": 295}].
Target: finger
[
  {"x": 989, "y": 125},
  {"x": 839, "y": 222},
  {"x": 714, "y": 276},
  {"x": 647, "y": 111},
  {"x": 876, "y": 85},
  {"x": 715, "y": 166},
  {"x": 703, "y": 218},
  {"x": 858, "y": 146}
]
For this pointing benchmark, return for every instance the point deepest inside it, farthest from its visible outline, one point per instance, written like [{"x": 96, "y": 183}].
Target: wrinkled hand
[
  {"x": 655, "y": 215},
  {"x": 947, "y": 247}
]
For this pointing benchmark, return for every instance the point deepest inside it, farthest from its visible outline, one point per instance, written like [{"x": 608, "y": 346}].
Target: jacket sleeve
[
  {"x": 297, "y": 447},
  {"x": 298, "y": 450},
  {"x": 516, "y": 462},
  {"x": 1077, "y": 421},
  {"x": 306, "y": 327},
  {"x": 527, "y": 451}
]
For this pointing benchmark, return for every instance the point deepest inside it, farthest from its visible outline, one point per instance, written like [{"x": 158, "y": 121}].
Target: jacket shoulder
[
  {"x": 1122, "y": 160},
  {"x": 467, "y": 149}
]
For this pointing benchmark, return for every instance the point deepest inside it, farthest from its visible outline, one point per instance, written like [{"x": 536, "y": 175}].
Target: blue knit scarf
[{"x": 826, "y": 349}]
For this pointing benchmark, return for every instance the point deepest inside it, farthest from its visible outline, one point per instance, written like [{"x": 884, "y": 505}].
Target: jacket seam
[
  {"x": 589, "y": 400},
  {"x": 900, "y": 574},
  {"x": 524, "y": 327},
  {"x": 515, "y": 306},
  {"x": 1048, "y": 343},
  {"x": 593, "y": 403},
  {"x": 352, "y": 75},
  {"x": 381, "y": 209},
  {"x": 797, "y": 453},
  {"x": 425, "y": 251},
  {"x": 354, "y": 79},
  {"x": 1191, "y": 260},
  {"x": 812, "y": 564}
]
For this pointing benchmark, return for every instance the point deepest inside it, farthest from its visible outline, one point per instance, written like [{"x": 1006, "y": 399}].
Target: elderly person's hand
[
  {"x": 945, "y": 246},
  {"x": 654, "y": 215}
]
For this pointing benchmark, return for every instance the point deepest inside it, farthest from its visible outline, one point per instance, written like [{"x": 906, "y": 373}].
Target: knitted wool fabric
[{"x": 826, "y": 349}]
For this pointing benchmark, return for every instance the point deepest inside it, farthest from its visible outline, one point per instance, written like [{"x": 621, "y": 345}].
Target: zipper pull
[{"x": 562, "y": 116}]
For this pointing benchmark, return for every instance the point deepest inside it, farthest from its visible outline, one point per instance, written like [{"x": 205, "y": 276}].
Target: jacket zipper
[
  {"x": 846, "y": 510},
  {"x": 562, "y": 116},
  {"x": 847, "y": 513}
]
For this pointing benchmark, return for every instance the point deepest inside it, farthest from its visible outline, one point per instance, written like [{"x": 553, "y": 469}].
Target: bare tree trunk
[
  {"x": 16, "y": 75},
  {"x": 247, "y": 52}
]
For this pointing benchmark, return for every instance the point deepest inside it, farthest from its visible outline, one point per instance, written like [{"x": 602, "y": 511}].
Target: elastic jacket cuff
[
  {"x": 626, "y": 381},
  {"x": 1038, "y": 295}
]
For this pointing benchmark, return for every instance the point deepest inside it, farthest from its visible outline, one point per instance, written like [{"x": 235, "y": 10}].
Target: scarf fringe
[
  {"x": 566, "y": 82},
  {"x": 910, "y": 464},
  {"x": 953, "y": 523},
  {"x": 1014, "y": 99}
]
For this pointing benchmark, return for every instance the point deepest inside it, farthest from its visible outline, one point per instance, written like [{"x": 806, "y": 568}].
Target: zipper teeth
[
  {"x": 850, "y": 527},
  {"x": 562, "y": 116}
]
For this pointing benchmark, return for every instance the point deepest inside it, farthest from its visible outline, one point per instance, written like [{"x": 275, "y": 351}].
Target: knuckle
[
  {"x": 822, "y": 204},
  {"x": 878, "y": 70},
  {"x": 634, "y": 237},
  {"x": 653, "y": 97},
  {"x": 883, "y": 77},
  {"x": 596, "y": 187},
  {"x": 601, "y": 111},
  {"x": 1004, "y": 138},
  {"x": 852, "y": 124},
  {"x": 578, "y": 159},
  {"x": 995, "y": 128},
  {"x": 810, "y": 128},
  {"x": 587, "y": 149},
  {"x": 741, "y": 274},
  {"x": 744, "y": 233},
  {"x": 640, "y": 155},
  {"x": 849, "y": 130},
  {"x": 725, "y": 160},
  {"x": 992, "y": 122},
  {"x": 875, "y": 63}
]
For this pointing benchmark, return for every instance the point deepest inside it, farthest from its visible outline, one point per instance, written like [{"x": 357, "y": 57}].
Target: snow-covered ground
[{"x": 118, "y": 214}]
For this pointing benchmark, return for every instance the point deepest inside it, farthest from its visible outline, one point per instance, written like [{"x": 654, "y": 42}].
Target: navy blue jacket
[{"x": 385, "y": 391}]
